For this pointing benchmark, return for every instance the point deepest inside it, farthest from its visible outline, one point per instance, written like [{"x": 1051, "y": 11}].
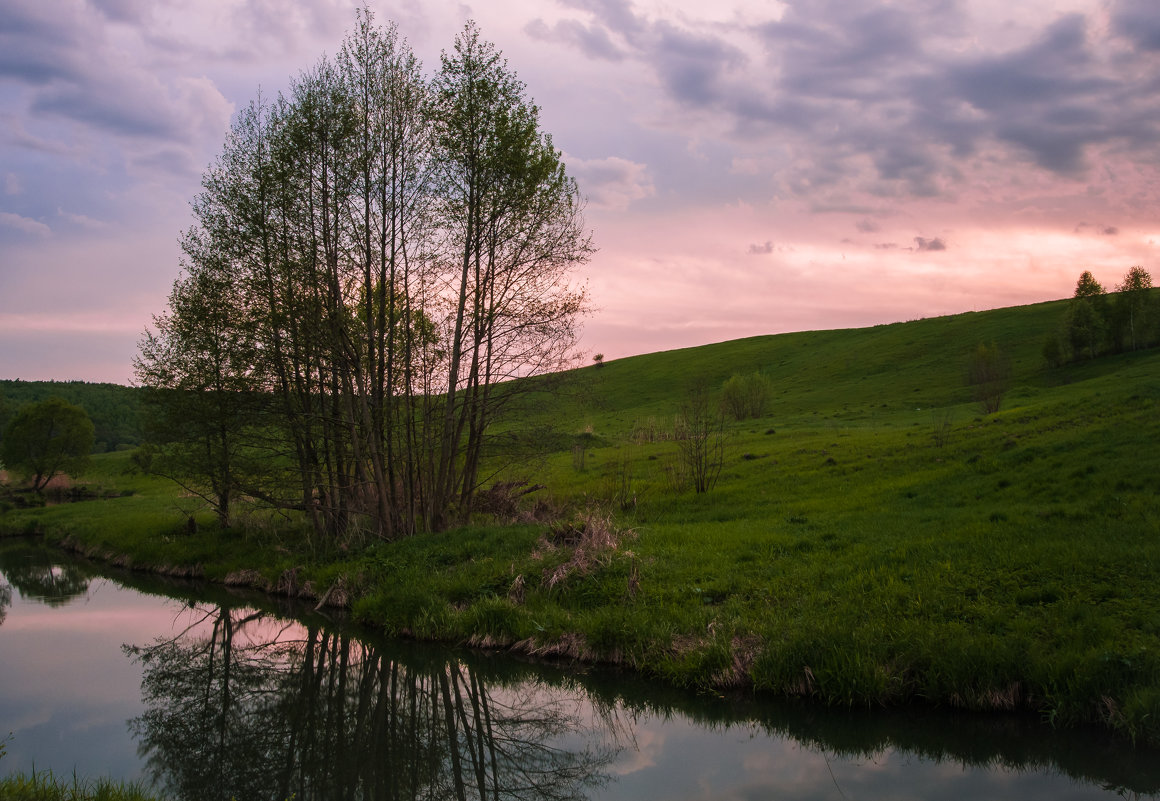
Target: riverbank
[{"x": 873, "y": 539}]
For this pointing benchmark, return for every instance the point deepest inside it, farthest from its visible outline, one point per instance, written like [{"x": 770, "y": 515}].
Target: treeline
[
  {"x": 374, "y": 253},
  {"x": 1098, "y": 321},
  {"x": 114, "y": 409}
]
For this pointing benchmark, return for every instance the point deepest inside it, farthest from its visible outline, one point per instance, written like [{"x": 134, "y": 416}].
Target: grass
[
  {"x": 45, "y": 786},
  {"x": 873, "y": 540}
]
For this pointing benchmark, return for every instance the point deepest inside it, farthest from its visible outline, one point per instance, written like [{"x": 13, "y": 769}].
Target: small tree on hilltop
[
  {"x": 48, "y": 438},
  {"x": 1087, "y": 316},
  {"x": 1132, "y": 306},
  {"x": 1088, "y": 287},
  {"x": 988, "y": 373}
]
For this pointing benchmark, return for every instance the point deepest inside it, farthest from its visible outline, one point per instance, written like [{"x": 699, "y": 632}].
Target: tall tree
[
  {"x": 512, "y": 221},
  {"x": 197, "y": 370},
  {"x": 1087, "y": 320},
  {"x": 392, "y": 230},
  {"x": 1087, "y": 287},
  {"x": 1133, "y": 307},
  {"x": 394, "y": 251}
]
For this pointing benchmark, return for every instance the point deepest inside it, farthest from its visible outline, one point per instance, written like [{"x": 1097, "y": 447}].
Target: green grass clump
[{"x": 46, "y": 786}]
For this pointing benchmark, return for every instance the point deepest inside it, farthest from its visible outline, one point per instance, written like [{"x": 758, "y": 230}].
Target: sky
[{"x": 750, "y": 168}]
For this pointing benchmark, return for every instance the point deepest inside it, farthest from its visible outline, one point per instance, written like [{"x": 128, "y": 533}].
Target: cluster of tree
[
  {"x": 45, "y": 439},
  {"x": 1098, "y": 322},
  {"x": 374, "y": 255},
  {"x": 114, "y": 409}
]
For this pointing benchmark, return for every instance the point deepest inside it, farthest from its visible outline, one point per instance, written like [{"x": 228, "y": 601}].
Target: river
[{"x": 207, "y": 694}]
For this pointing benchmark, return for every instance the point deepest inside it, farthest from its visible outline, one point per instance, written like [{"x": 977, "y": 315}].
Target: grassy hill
[{"x": 872, "y": 539}]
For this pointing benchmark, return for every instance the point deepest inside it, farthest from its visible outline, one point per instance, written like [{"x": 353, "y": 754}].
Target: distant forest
[{"x": 112, "y": 408}]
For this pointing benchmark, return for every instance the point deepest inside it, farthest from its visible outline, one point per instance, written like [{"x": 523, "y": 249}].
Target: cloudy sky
[{"x": 758, "y": 168}]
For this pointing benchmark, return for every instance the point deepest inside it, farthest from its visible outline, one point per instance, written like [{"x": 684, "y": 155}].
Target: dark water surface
[{"x": 210, "y": 695}]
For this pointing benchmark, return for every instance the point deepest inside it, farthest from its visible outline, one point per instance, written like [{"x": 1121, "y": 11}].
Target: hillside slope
[{"x": 873, "y": 538}]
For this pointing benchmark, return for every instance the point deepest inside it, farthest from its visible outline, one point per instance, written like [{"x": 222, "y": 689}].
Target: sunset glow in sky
[{"x": 759, "y": 168}]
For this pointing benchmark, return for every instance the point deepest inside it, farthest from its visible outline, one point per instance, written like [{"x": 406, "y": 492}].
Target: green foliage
[
  {"x": 46, "y": 786},
  {"x": 198, "y": 400},
  {"x": 1097, "y": 323},
  {"x": 1054, "y": 350},
  {"x": 746, "y": 397},
  {"x": 47, "y": 438},
  {"x": 5, "y": 413},
  {"x": 988, "y": 373},
  {"x": 112, "y": 408},
  {"x": 1087, "y": 317},
  {"x": 1088, "y": 288},
  {"x": 354, "y": 375},
  {"x": 1134, "y": 310},
  {"x": 1086, "y": 328}
]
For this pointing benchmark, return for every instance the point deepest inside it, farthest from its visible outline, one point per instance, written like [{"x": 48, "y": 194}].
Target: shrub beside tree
[
  {"x": 43, "y": 440},
  {"x": 746, "y": 397},
  {"x": 988, "y": 373}
]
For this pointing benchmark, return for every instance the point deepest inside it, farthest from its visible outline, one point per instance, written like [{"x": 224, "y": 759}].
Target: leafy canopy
[{"x": 45, "y": 439}]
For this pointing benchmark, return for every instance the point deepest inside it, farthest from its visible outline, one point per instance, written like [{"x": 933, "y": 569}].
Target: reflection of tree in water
[
  {"x": 5, "y": 601},
  {"x": 241, "y": 706},
  {"x": 43, "y": 576},
  {"x": 1004, "y": 743}
]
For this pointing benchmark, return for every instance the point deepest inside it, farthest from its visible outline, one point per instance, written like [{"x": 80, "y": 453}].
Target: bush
[
  {"x": 746, "y": 397},
  {"x": 1054, "y": 351},
  {"x": 988, "y": 373},
  {"x": 700, "y": 437}
]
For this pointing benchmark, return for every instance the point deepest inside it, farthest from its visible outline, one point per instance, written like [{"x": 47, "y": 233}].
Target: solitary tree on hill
[{"x": 988, "y": 373}]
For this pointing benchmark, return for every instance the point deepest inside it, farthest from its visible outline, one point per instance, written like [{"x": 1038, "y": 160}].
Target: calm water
[{"x": 211, "y": 695}]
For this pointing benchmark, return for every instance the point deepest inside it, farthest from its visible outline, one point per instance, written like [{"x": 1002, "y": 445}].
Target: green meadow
[{"x": 872, "y": 539}]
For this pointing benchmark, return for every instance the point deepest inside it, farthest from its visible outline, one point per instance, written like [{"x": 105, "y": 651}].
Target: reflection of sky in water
[
  {"x": 679, "y": 761},
  {"x": 68, "y": 690}
]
